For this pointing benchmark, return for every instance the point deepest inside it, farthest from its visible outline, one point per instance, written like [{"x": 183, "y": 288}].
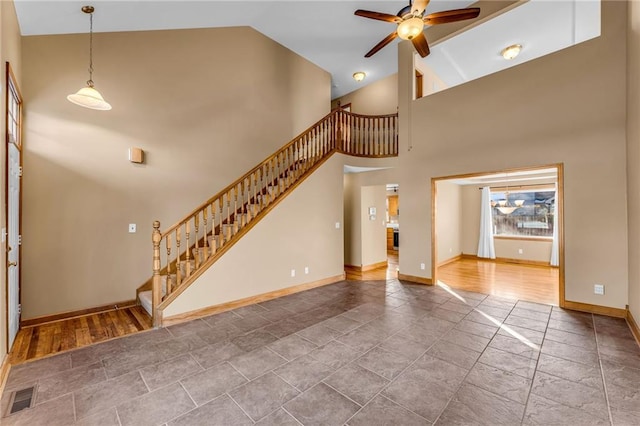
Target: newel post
[{"x": 156, "y": 237}]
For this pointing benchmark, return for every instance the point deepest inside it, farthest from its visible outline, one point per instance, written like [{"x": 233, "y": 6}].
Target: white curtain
[
  {"x": 555, "y": 251},
  {"x": 485, "y": 244}
]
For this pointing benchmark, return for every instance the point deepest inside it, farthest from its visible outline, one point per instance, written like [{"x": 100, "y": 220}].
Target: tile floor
[{"x": 356, "y": 353}]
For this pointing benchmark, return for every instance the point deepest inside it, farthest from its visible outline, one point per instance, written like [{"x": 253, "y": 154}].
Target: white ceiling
[{"x": 326, "y": 32}]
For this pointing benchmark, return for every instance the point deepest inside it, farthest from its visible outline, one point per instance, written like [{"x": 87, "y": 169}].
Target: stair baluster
[
  {"x": 168, "y": 280},
  {"x": 187, "y": 235},
  {"x": 196, "y": 226},
  {"x": 178, "y": 266}
]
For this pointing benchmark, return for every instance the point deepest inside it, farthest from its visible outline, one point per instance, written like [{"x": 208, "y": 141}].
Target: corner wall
[
  {"x": 205, "y": 105},
  {"x": 543, "y": 112}
]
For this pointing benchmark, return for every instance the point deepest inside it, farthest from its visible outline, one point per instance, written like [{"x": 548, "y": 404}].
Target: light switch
[{"x": 132, "y": 228}]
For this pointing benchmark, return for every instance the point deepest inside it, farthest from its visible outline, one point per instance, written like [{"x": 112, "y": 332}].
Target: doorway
[
  {"x": 523, "y": 222},
  {"x": 13, "y": 205}
]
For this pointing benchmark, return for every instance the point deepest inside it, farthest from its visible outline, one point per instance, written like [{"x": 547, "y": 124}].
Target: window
[
  {"x": 534, "y": 218},
  {"x": 14, "y": 110}
]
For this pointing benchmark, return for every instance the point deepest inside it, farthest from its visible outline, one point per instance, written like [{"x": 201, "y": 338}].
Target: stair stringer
[{"x": 298, "y": 232}]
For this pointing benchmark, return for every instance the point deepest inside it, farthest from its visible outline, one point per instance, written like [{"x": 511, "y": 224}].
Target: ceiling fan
[{"x": 411, "y": 21}]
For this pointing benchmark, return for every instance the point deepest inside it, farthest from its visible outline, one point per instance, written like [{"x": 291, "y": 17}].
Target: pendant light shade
[
  {"x": 88, "y": 96},
  {"x": 504, "y": 206}
]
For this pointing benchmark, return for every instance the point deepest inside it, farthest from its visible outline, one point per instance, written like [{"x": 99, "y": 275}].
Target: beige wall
[
  {"x": 449, "y": 223},
  {"x": 506, "y": 248},
  {"x": 299, "y": 232},
  {"x": 543, "y": 112},
  {"x": 206, "y": 105},
  {"x": 374, "y": 232},
  {"x": 633, "y": 155},
  {"x": 376, "y": 98},
  {"x": 9, "y": 52}
]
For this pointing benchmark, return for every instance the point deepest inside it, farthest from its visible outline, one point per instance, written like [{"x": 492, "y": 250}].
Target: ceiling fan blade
[
  {"x": 418, "y": 6},
  {"x": 421, "y": 44},
  {"x": 388, "y": 39},
  {"x": 451, "y": 16},
  {"x": 378, "y": 16}
]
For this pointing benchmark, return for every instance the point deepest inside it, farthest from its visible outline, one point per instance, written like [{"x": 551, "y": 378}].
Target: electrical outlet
[
  {"x": 422, "y": 266},
  {"x": 337, "y": 225},
  {"x": 306, "y": 270},
  {"x": 598, "y": 289},
  {"x": 520, "y": 251},
  {"x": 293, "y": 273},
  {"x": 132, "y": 228}
]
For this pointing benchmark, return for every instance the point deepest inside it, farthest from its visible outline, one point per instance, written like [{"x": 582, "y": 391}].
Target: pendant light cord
[{"x": 90, "y": 81}]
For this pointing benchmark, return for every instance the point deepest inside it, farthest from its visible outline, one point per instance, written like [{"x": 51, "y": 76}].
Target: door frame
[
  {"x": 559, "y": 210},
  {"x": 11, "y": 86}
]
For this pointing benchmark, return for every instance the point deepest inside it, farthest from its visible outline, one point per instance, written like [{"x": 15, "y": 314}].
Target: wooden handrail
[
  {"x": 353, "y": 114},
  {"x": 194, "y": 243}
]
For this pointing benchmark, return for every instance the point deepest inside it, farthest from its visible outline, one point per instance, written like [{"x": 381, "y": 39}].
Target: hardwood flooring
[
  {"x": 58, "y": 336},
  {"x": 514, "y": 281}
]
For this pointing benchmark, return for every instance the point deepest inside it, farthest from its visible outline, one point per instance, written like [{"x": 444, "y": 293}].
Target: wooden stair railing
[
  {"x": 185, "y": 250},
  {"x": 368, "y": 136}
]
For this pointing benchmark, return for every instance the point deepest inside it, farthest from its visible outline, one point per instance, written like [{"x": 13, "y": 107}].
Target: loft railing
[
  {"x": 183, "y": 251},
  {"x": 368, "y": 136}
]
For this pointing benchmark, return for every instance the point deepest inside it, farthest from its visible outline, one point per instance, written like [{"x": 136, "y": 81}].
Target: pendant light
[{"x": 89, "y": 97}]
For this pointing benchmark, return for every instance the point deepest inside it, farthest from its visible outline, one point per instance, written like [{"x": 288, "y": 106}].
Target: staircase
[{"x": 182, "y": 252}]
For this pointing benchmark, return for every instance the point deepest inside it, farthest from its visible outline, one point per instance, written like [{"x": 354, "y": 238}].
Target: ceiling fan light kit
[
  {"x": 88, "y": 96},
  {"x": 410, "y": 28},
  {"x": 510, "y": 52},
  {"x": 411, "y": 21},
  {"x": 359, "y": 76}
]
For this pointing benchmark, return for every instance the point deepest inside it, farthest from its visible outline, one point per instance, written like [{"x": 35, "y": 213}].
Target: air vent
[{"x": 22, "y": 399}]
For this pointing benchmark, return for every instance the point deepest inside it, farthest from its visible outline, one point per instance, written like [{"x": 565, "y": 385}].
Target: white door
[{"x": 13, "y": 241}]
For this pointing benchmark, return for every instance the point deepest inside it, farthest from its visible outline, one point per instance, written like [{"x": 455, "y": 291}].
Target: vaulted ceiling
[{"x": 326, "y": 32}]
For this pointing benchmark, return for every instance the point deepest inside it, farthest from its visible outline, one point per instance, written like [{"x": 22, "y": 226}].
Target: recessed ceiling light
[
  {"x": 510, "y": 52},
  {"x": 359, "y": 76}
]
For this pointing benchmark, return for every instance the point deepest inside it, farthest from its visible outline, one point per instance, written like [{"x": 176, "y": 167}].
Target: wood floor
[
  {"x": 49, "y": 338},
  {"x": 388, "y": 273},
  {"x": 513, "y": 281},
  {"x": 532, "y": 283}
]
